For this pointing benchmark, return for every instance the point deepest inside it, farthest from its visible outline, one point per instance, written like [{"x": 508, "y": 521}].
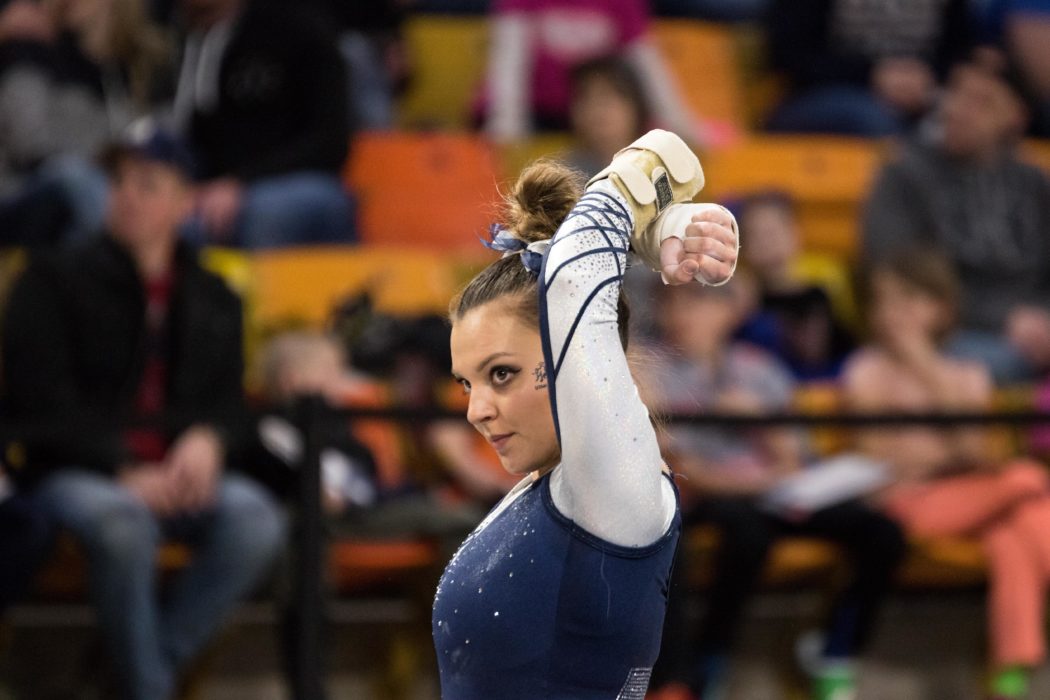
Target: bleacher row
[{"x": 428, "y": 192}]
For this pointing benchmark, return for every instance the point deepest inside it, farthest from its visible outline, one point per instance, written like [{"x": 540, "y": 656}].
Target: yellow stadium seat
[
  {"x": 1037, "y": 152},
  {"x": 516, "y": 156},
  {"x": 448, "y": 57},
  {"x": 301, "y": 286},
  {"x": 437, "y": 191}
]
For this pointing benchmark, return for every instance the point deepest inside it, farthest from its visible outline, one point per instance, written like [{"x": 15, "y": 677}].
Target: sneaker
[{"x": 835, "y": 684}]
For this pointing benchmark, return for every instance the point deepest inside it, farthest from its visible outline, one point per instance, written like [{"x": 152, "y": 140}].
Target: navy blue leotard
[{"x": 560, "y": 593}]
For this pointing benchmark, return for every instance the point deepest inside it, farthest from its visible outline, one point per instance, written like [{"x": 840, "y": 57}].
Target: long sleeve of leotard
[{"x": 609, "y": 481}]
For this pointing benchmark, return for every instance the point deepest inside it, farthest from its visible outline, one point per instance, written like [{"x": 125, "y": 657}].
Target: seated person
[
  {"x": 868, "y": 67},
  {"x": 728, "y": 472},
  {"x": 133, "y": 354},
  {"x": 949, "y": 483},
  {"x": 262, "y": 97},
  {"x": 795, "y": 319},
  {"x": 971, "y": 196},
  {"x": 608, "y": 110},
  {"x": 363, "y": 496}
]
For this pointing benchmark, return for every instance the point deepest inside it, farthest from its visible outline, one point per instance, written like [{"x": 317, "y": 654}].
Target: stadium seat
[
  {"x": 448, "y": 57},
  {"x": 702, "y": 57},
  {"x": 829, "y": 178},
  {"x": 436, "y": 191},
  {"x": 301, "y": 286}
]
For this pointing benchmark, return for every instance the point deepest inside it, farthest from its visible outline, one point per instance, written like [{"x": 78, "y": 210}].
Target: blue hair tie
[{"x": 532, "y": 254}]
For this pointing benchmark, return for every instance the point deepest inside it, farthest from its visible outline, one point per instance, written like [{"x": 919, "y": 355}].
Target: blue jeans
[
  {"x": 836, "y": 109},
  {"x": 235, "y": 543},
  {"x": 285, "y": 210}
]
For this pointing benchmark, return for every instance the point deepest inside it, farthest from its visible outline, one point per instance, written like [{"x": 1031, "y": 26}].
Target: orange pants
[{"x": 1009, "y": 511}]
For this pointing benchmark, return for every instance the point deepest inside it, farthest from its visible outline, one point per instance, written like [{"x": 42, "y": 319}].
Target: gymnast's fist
[{"x": 698, "y": 241}]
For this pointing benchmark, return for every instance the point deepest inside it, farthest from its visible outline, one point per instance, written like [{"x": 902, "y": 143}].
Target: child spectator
[
  {"x": 365, "y": 490},
  {"x": 949, "y": 482},
  {"x": 728, "y": 473},
  {"x": 608, "y": 110},
  {"x": 536, "y": 43},
  {"x": 796, "y": 319}
]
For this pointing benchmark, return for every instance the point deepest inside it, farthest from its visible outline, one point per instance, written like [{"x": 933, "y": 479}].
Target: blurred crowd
[{"x": 134, "y": 134}]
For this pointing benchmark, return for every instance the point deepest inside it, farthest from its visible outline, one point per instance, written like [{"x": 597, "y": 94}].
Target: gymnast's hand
[{"x": 699, "y": 242}]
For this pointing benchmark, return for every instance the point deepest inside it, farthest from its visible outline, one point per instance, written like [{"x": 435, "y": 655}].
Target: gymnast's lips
[{"x": 499, "y": 442}]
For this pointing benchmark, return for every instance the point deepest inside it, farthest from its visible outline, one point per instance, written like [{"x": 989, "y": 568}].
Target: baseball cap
[{"x": 148, "y": 140}]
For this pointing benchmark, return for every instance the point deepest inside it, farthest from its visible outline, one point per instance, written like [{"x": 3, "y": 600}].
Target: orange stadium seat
[
  {"x": 1037, "y": 152},
  {"x": 436, "y": 191},
  {"x": 702, "y": 57},
  {"x": 828, "y": 176}
]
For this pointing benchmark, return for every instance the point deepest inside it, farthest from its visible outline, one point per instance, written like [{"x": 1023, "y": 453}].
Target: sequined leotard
[{"x": 560, "y": 593}]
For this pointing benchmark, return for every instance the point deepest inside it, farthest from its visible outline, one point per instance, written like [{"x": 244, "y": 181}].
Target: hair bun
[{"x": 541, "y": 199}]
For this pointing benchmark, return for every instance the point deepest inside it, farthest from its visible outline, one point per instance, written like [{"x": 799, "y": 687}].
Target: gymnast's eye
[{"x": 501, "y": 374}]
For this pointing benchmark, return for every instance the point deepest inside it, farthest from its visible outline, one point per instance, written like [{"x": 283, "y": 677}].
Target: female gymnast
[{"x": 560, "y": 593}]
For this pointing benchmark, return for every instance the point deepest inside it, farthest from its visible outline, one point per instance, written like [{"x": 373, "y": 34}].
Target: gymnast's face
[{"x": 498, "y": 359}]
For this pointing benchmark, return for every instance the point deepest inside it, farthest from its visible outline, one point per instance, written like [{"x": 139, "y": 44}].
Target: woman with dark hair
[{"x": 561, "y": 591}]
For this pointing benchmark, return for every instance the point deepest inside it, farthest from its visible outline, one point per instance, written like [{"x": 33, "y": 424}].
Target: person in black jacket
[
  {"x": 131, "y": 353},
  {"x": 864, "y": 67},
  {"x": 262, "y": 96}
]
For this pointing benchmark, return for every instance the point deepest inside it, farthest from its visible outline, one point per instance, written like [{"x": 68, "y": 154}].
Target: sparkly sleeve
[{"x": 609, "y": 481}]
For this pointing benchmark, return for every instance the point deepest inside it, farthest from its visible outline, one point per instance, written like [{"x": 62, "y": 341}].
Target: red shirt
[{"x": 151, "y": 444}]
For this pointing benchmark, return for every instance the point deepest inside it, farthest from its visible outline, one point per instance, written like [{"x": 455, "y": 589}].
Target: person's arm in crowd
[
  {"x": 40, "y": 383},
  {"x": 509, "y": 112},
  {"x": 221, "y": 427},
  {"x": 663, "y": 94}
]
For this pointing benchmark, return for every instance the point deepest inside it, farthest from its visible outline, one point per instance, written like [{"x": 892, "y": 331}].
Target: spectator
[
  {"x": 536, "y": 43},
  {"x": 969, "y": 195},
  {"x": 1025, "y": 33},
  {"x": 607, "y": 110},
  {"x": 949, "y": 481},
  {"x": 262, "y": 98},
  {"x": 864, "y": 67},
  {"x": 795, "y": 319},
  {"x": 72, "y": 76},
  {"x": 129, "y": 330},
  {"x": 360, "y": 498},
  {"x": 728, "y": 474}
]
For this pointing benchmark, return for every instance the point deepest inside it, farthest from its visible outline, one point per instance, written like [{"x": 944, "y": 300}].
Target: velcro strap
[
  {"x": 680, "y": 161},
  {"x": 634, "y": 179}
]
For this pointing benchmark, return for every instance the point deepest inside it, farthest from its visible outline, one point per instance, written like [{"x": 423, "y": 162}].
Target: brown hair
[
  {"x": 925, "y": 268},
  {"x": 540, "y": 200}
]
